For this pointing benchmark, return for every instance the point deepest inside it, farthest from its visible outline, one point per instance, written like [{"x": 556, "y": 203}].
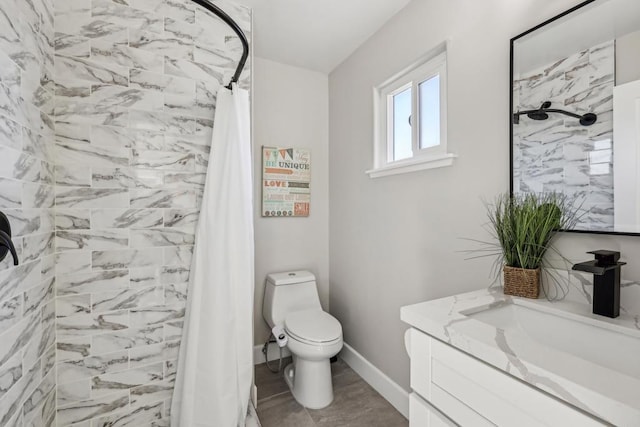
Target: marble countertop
[{"x": 605, "y": 392}]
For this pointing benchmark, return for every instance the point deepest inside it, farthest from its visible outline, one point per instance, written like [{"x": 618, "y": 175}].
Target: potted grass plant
[{"x": 525, "y": 226}]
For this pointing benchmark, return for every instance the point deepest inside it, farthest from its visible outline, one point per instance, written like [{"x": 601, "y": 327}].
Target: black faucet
[{"x": 606, "y": 281}]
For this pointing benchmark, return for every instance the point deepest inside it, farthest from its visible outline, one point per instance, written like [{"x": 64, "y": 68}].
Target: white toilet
[{"x": 291, "y": 301}]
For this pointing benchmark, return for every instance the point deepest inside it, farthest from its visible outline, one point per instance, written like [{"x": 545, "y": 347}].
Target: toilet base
[{"x": 310, "y": 382}]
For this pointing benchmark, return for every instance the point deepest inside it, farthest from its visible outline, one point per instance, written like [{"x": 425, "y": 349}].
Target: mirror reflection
[{"x": 576, "y": 112}]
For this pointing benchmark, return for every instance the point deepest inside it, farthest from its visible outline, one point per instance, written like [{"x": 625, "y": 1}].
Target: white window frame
[{"x": 435, "y": 63}]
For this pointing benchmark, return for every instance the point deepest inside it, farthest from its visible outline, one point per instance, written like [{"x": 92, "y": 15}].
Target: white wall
[
  {"x": 291, "y": 110},
  {"x": 627, "y": 58},
  {"x": 398, "y": 240}
]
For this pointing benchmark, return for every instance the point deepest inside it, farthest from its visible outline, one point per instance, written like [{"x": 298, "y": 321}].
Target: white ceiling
[{"x": 316, "y": 34}]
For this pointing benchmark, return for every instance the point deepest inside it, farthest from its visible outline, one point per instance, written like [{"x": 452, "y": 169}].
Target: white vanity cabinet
[
  {"x": 473, "y": 393},
  {"x": 423, "y": 414}
]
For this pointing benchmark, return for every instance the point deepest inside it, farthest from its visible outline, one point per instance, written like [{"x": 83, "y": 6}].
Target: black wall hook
[{"x": 6, "y": 245}]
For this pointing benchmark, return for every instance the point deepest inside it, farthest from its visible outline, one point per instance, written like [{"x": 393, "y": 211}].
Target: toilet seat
[{"x": 313, "y": 327}]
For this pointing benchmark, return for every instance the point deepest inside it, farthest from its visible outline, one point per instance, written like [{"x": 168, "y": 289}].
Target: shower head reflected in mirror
[
  {"x": 542, "y": 113},
  {"x": 588, "y": 119}
]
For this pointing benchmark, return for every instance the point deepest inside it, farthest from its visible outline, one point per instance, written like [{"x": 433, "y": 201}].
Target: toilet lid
[{"x": 313, "y": 325}]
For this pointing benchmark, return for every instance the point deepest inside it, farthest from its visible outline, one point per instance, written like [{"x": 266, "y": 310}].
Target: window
[{"x": 410, "y": 119}]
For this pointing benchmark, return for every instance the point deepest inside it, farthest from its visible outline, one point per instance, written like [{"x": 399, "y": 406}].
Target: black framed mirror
[{"x": 575, "y": 112}]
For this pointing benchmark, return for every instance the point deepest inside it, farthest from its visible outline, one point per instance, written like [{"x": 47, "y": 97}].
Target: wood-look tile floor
[{"x": 355, "y": 403}]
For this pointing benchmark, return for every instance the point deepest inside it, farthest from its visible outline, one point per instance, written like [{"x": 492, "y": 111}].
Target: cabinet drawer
[
  {"x": 443, "y": 375},
  {"x": 425, "y": 415},
  {"x": 456, "y": 410}
]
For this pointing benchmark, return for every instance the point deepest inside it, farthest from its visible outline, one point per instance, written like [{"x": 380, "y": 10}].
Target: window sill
[{"x": 412, "y": 165}]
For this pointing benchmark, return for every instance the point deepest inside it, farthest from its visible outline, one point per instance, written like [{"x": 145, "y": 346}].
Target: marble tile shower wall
[
  {"x": 559, "y": 154},
  {"x": 27, "y": 307},
  {"x": 135, "y": 93}
]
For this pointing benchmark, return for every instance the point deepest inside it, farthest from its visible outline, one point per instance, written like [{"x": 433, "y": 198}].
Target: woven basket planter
[{"x": 522, "y": 282}]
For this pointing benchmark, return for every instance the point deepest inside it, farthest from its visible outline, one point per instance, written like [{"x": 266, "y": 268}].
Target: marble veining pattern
[
  {"x": 558, "y": 154},
  {"x": 601, "y": 391},
  {"x": 27, "y": 320},
  {"x": 106, "y": 111},
  {"x": 136, "y": 83}
]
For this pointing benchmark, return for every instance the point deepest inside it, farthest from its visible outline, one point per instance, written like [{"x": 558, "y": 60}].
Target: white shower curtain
[{"x": 215, "y": 366}]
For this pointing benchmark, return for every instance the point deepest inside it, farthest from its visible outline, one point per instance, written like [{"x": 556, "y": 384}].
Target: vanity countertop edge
[{"x": 595, "y": 389}]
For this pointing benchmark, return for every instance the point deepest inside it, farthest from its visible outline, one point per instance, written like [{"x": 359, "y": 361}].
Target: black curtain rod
[{"x": 234, "y": 25}]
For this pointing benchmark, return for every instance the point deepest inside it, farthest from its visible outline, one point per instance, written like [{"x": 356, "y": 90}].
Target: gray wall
[
  {"x": 27, "y": 308},
  {"x": 627, "y": 58},
  {"x": 399, "y": 240},
  {"x": 291, "y": 110}
]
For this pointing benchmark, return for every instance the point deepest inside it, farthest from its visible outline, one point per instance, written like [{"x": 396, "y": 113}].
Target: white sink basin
[
  {"x": 588, "y": 361},
  {"x": 599, "y": 342}
]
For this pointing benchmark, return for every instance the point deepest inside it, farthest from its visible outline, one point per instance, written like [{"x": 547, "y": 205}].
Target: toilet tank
[{"x": 288, "y": 292}]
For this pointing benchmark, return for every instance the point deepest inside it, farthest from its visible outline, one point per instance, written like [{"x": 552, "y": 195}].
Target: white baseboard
[
  {"x": 273, "y": 354},
  {"x": 377, "y": 379}
]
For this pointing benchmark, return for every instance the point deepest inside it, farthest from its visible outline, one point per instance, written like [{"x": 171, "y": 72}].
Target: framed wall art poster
[{"x": 286, "y": 179}]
